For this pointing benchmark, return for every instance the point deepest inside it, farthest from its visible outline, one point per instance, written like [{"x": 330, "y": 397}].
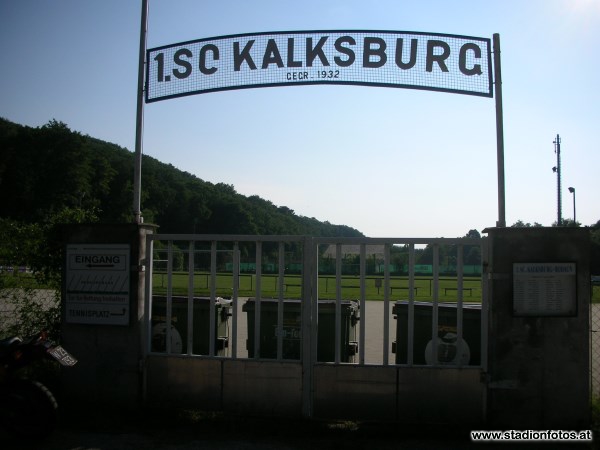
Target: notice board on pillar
[
  {"x": 97, "y": 284},
  {"x": 545, "y": 289}
]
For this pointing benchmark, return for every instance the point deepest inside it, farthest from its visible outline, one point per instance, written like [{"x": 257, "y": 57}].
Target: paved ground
[
  {"x": 162, "y": 430},
  {"x": 193, "y": 430}
]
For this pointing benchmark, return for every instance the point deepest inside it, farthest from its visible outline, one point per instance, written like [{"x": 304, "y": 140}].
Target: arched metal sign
[
  {"x": 401, "y": 59},
  {"x": 432, "y": 61}
]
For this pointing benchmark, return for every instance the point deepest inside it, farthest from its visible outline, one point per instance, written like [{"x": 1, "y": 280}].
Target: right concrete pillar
[{"x": 539, "y": 328}]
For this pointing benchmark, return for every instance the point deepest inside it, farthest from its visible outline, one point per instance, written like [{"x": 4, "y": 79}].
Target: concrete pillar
[
  {"x": 103, "y": 312},
  {"x": 539, "y": 328}
]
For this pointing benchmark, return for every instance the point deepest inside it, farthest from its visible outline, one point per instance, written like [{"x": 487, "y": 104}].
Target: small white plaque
[{"x": 544, "y": 289}]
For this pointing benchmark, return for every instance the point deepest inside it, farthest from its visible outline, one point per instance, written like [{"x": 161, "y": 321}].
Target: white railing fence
[{"x": 397, "y": 301}]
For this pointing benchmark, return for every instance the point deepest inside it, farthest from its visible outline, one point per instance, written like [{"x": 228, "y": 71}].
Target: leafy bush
[
  {"x": 31, "y": 258},
  {"x": 28, "y": 310}
]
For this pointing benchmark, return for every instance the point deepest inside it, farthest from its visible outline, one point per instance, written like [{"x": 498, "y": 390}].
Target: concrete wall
[
  {"x": 410, "y": 395},
  {"x": 341, "y": 391},
  {"x": 538, "y": 364},
  {"x": 268, "y": 388}
]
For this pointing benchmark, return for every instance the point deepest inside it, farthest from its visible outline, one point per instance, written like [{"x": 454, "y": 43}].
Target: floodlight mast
[
  {"x": 558, "y": 180},
  {"x": 139, "y": 123}
]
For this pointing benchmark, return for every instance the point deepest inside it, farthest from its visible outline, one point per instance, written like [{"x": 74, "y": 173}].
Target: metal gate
[{"x": 364, "y": 328}]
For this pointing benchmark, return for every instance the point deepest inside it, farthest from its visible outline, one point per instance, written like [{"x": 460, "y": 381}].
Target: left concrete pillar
[{"x": 103, "y": 313}]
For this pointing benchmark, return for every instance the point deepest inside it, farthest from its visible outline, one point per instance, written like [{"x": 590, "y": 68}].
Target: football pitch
[{"x": 291, "y": 286}]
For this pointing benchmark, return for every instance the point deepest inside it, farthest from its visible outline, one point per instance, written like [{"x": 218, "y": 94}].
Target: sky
[{"x": 389, "y": 162}]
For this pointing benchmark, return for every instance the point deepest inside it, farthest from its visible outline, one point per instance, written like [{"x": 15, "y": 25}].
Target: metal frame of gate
[{"x": 310, "y": 299}]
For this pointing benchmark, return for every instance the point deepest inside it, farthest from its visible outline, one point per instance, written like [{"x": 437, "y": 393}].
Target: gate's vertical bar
[
  {"x": 363, "y": 307},
  {"x": 213, "y": 296},
  {"x": 257, "y": 313},
  {"x": 169, "y": 299},
  {"x": 435, "y": 297},
  {"x": 386, "y": 305},
  {"x": 234, "y": 306},
  {"x": 190, "y": 305},
  {"x": 338, "y": 300},
  {"x": 411, "y": 306},
  {"x": 309, "y": 324},
  {"x": 459, "y": 301},
  {"x": 280, "y": 279},
  {"x": 148, "y": 300}
]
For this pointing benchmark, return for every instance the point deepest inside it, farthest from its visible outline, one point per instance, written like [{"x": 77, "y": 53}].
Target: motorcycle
[{"x": 27, "y": 407}]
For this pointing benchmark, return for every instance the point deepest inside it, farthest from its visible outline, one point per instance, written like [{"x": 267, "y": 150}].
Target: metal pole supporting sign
[
  {"x": 139, "y": 123},
  {"x": 499, "y": 132}
]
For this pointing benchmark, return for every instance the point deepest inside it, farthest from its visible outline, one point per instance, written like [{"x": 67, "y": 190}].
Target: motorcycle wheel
[{"x": 28, "y": 409}]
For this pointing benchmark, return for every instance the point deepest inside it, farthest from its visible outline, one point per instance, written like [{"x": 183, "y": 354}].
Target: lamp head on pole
[
  {"x": 572, "y": 190},
  {"x": 554, "y": 169}
]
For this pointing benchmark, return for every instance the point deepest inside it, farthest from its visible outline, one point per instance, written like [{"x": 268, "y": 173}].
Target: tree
[
  {"x": 45, "y": 169},
  {"x": 34, "y": 294},
  {"x": 567, "y": 223},
  {"x": 521, "y": 224},
  {"x": 473, "y": 234},
  {"x": 472, "y": 253}
]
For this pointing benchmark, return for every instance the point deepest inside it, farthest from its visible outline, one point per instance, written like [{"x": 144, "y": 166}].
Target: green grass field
[
  {"x": 350, "y": 287},
  {"x": 447, "y": 290}
]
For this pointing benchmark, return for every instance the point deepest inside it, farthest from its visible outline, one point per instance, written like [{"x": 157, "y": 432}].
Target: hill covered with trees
[
  {"x": 46, "y": 169},
  {"x": 50, "y": 174}
]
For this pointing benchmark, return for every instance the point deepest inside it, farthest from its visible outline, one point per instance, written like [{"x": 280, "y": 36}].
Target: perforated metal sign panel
[{"x": 431, "y": 61}]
